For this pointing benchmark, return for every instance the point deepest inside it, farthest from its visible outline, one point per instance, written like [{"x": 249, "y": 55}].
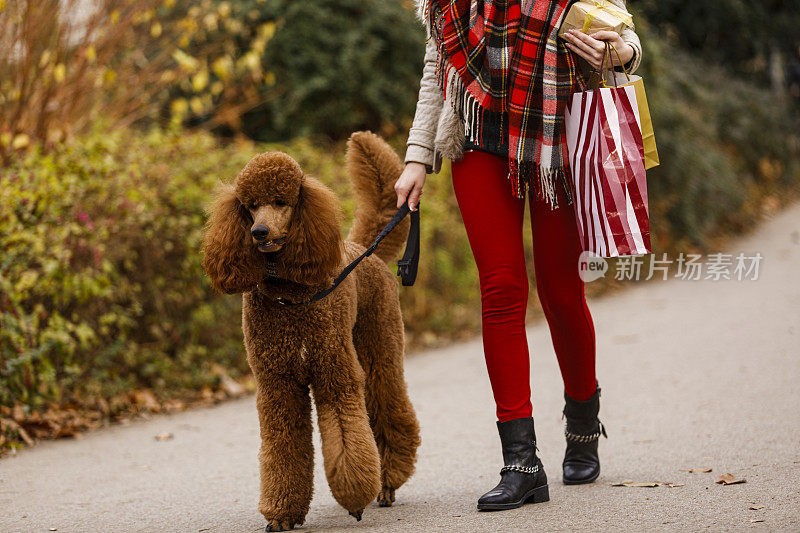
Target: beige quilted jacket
[{"x": 437, "y": 131}]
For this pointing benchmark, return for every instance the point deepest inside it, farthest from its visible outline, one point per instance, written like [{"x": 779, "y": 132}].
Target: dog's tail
[{"x": 374, "y": 167}]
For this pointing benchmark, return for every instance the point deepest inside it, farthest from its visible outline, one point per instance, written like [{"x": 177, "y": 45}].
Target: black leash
[{"x": 406, "y": 266}]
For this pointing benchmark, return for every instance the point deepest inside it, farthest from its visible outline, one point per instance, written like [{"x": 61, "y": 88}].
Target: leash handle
[{"x": 407, "y": 265}]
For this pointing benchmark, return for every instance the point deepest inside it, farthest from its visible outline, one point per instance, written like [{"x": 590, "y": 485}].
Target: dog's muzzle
[{"x": 270, "y": 245}]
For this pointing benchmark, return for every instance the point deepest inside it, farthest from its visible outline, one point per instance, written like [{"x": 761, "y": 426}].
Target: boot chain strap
[
  {"x": 586, "y": 438},
  {"x": 524, "y": 469}
]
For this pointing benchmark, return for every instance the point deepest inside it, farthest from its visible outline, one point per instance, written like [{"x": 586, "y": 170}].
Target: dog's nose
[{"x": 259, "y": 233}]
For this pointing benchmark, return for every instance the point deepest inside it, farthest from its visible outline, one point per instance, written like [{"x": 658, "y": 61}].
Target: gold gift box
[{"x": 595, "y": 15}]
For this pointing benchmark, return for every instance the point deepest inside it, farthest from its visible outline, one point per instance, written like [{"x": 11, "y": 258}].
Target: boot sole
[{"x": 536, "y": 495}]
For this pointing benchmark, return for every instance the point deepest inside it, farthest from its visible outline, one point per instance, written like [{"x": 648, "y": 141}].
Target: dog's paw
[
  {"x": 357, "y": 514},
  {"x": 279, "y": 525},
  {"x": 386, "y": 497}
]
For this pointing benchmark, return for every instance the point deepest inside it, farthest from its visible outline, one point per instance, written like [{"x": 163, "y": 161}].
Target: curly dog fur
[{"x": 346, "y": 349}]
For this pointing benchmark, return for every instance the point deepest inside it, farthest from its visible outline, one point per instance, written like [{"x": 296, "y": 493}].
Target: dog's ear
[
  {"x": 230, "y": 259},
  {"x": 313, "y": 249}
]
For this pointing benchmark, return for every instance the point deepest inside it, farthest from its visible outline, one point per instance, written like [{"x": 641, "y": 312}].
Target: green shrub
[
  {"x": 749, "y": 38},
  {"x": 273, "y": 69},
  {"x": 726, "y": 148},
  {"x": 101, "y": 284},
  {"x": 339, "y": 66}
]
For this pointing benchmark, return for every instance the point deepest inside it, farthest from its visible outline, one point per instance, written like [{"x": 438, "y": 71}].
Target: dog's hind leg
[
  {"x": 378, "y": 337},
  {"x": 287, "y": 455},
  {"x": 352, "y": 464}
]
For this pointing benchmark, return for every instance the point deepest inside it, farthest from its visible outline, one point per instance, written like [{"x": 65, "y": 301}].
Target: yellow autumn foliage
[{"x": 140, "y": 55}]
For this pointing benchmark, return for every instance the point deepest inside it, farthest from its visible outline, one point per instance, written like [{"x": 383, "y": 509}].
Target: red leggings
[{"x": 493, "y": 220}]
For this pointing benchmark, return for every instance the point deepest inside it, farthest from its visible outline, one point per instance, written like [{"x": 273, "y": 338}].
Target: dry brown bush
[{"x": 67, "y": 63}]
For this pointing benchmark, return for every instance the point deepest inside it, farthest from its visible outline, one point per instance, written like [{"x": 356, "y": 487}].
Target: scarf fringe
[{"x": 522, "y": 174}]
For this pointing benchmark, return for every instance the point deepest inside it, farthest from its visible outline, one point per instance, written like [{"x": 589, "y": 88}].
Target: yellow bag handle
[{"x": 607, "y": 53}]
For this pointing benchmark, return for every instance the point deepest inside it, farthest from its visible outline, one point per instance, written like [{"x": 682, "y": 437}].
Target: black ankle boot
[
  {"x": 583, "y": 430},
  {"x": 522, "y": 479}
]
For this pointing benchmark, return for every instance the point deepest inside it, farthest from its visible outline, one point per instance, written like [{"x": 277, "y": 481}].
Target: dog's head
[
  {"x": 272, "y": 212},
  {"x": 268, "y": 187}
]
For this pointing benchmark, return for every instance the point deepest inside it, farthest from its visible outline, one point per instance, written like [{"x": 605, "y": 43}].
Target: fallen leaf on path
[
  {"x": 730, "y": 479},
  {"x": 632, "y": 483},
  {"x": 24, "y": 436},
  {"x": 697, "y": 470},
  {"x": 231, "y": 387},
  {"x": 174, "y": 405},
  {"x": 145, "y": 398},
  {"x": 648, "y": 484},
  {"x": 756, "y": 507},
  {"x": 14, "y": 426},
  {"x": 164, "y": 436},
  {"x": 21, "y": 424}
]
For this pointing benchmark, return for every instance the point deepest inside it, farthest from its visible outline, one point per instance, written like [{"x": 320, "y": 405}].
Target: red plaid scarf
[{"x": 508, "y": 59}]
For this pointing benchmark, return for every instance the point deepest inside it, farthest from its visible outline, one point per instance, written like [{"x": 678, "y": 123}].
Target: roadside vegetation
[{"x": 116, "y": 126}]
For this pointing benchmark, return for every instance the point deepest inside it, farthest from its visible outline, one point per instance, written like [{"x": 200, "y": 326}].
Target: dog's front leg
[
  {"x": 352, "y": 463},
  {"x": 287, "y": 454}
]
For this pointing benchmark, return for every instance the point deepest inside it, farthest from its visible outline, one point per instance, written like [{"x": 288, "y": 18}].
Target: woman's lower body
[{"x": 493, "y": 219}]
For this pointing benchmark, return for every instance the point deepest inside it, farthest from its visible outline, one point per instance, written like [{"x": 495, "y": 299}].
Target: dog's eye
[
  {"x": 252, "y": 207},
  {"x": 280, "y": 203}
]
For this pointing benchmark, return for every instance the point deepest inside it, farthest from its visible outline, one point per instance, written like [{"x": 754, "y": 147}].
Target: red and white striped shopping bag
[{"x": 606, "y": 151}]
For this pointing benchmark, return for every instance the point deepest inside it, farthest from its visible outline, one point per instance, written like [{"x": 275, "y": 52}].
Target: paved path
[{"x": 694, "y": 374}]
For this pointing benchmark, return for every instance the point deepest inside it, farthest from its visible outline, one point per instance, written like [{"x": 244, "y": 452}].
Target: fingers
[
  {"x": 409, "y": 185},
  {"x": 402, "y": 186},
  {"x": 585, "y": 41},
  {"x": 413, "y": 198},
  {"x": 587, "y": 47},
  {"x": 623, "y": 49},
  {"x": 605, "y": 35},
  {"x": 595, "y": 60},
  {"x": 413, "y": 195},
  {"x": 402, "y": 193},
  {"x": 588, "y": 57}
]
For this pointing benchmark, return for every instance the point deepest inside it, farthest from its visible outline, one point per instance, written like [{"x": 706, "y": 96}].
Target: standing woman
[{"x": 494, "y": 89}]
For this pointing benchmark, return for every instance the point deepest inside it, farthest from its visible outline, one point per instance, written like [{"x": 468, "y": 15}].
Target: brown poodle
[{"x": 275, "y": 233}]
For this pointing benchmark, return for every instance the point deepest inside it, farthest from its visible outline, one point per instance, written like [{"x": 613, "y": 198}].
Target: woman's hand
[
  {"x": 592, "y": 47},
  {"x": 409, "y": 184}
]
